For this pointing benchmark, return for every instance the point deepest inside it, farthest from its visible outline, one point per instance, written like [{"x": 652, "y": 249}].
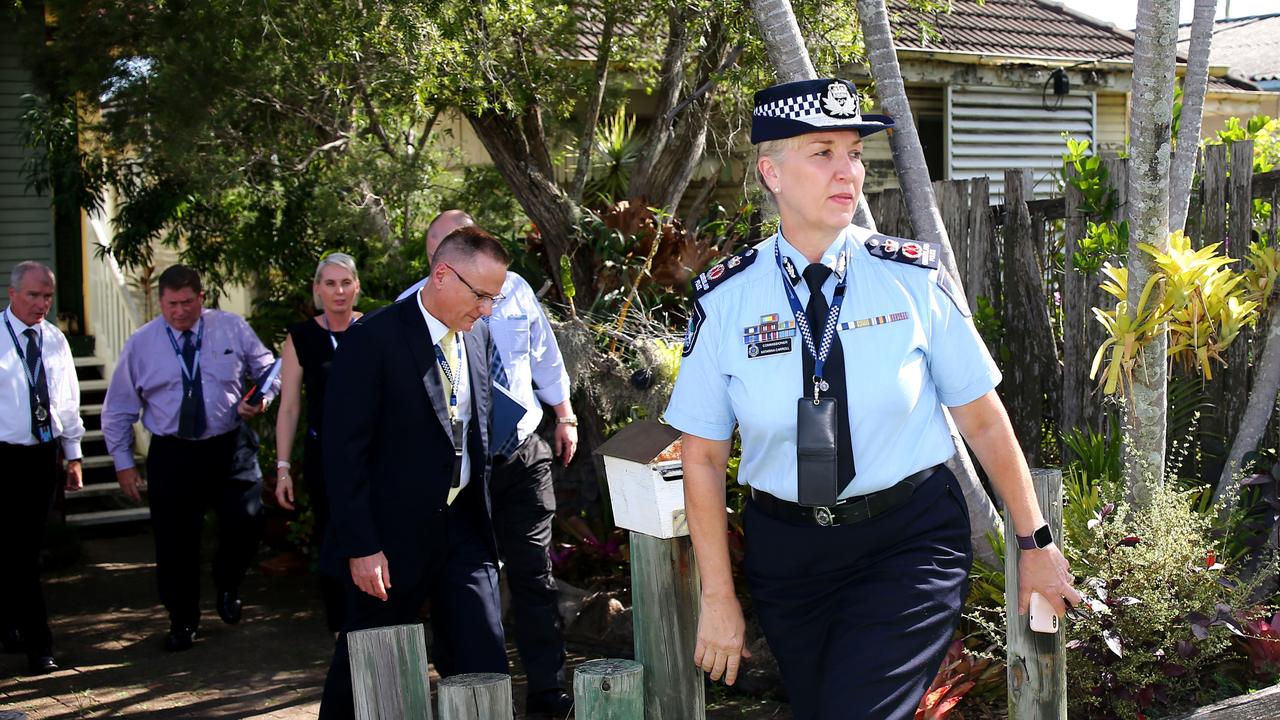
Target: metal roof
[{"x": 1250, "y": 46}]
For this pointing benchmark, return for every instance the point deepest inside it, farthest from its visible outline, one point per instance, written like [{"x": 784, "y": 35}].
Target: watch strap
[{"x": 1042, "y": 537}]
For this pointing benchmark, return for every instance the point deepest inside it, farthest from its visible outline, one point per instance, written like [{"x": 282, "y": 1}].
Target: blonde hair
[
  {"x": 338, "y": 259},
  {"x": 772, "y": 149}
]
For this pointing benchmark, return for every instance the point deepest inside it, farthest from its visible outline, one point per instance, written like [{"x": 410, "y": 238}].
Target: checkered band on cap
[{"x": 796, "y": 108}]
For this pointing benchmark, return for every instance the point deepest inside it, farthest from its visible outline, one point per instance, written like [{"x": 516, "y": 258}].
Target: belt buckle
[{"x": 823, "y": 516}]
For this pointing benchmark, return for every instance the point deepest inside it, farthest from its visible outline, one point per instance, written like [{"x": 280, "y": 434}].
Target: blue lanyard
[
  {"x": 789, "y": 275},
  {"x": 188, "y": 373},
  {"x": 32, "y": 377},
  {"x": 444, "y": 365}
]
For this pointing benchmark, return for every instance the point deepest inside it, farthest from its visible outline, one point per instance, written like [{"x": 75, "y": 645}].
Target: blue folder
[{"x": 506, "y": 414}]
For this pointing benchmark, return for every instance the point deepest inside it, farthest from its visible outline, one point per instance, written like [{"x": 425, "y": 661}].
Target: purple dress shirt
[{"x": 148, "y": 381}]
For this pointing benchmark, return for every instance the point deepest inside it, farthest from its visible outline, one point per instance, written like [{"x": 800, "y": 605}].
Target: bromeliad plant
[{"x": 1204, "y": 305}]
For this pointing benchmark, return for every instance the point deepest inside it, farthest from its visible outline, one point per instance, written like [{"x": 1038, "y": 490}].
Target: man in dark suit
[{"x": 407, "y": 467}]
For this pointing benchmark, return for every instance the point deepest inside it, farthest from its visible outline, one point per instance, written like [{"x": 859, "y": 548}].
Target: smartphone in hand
[{"x": 1043, "y": 618}]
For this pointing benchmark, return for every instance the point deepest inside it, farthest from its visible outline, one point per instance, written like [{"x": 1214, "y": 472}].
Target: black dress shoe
[
  {"x": 229, "y": 607},
  {"x": 555, "y": 702},
  {"x": 42, "y": 665},
  {"x": 179, "y": 639}
]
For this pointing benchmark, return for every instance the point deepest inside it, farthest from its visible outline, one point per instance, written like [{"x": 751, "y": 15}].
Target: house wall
[
  {"x": 26, "y": 219},
  {"x": 1113, "y": 122}
]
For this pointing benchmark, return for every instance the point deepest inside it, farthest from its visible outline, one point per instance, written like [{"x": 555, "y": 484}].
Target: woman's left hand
[
  {"x": 284, "y": 488},
  {"x": 1047, "y": 572}
]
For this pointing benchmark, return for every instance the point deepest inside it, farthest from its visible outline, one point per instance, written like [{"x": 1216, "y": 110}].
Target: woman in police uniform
[{"x": 833, "y": 351}]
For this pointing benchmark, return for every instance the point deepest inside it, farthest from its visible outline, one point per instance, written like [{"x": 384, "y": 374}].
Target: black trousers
[
  {"x": 29, "y": 485},
  {"x": 524, "y": 502},
  {"x": 185, "y": 478},
  {"x": 332, "y": 592},
  {"x": 860, "y": 616},
  {"x": 461, "y": 582}
]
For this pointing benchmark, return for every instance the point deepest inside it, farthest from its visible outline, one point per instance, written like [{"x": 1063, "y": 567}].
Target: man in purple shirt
[{"x": 184, "y": 374}]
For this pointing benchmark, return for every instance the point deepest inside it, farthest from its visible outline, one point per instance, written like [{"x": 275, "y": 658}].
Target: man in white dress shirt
[
  {"x": 41, "y": 410},
  {"x": 524, "y": 499}
]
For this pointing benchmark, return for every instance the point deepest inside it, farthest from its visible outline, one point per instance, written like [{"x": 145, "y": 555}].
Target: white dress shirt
[
  {"x": 527, "y": 345},
  {"x": 64, "y": 387},
  {"x": 461, "y": 385}
]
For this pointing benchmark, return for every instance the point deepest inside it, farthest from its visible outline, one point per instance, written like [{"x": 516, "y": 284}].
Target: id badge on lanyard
[{"x": 455, "y": 424}]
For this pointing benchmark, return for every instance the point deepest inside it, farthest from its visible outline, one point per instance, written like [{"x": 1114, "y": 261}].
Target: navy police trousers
[{"x": 860, "y": 616}]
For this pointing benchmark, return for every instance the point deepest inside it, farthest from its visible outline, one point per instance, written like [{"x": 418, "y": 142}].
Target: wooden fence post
[
  {"x": 476, "y": 696},
  {"x": 1037, "y": 662},
  {"x": 609, "y": 690},
  {"x": 389, "y": 673},
  {"x": 664, "y": 594}
]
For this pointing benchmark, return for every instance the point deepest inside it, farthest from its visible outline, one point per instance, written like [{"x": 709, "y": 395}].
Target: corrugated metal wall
[
  {"x": 26, "y": 220},
  {"x": 993, "y": 129}
]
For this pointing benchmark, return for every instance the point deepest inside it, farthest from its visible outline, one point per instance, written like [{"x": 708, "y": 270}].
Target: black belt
[{"x": 846, "y": 512}]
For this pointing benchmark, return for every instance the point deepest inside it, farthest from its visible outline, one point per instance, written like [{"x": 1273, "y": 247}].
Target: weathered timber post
[
  {"x": 476, "y": 696},
  {"x": 609, "y": 690},
  {"x": 646, "y": 491},
  {"x": 1037, "y": 661},
  {"x": 389, "y": 673}
]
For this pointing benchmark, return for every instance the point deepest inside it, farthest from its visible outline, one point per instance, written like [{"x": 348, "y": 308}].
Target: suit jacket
[{"x": 388, "y": 451}]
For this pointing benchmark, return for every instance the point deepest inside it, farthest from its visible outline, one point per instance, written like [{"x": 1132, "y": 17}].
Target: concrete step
[
  {"x": 86, "y": 410},
  {"x": 97, "y": 461},
  {"x": 91, "y": 436},
  {"x": 105, "y": 489},
  {"x": 89, "y": 361},
  {"x": 108, "y": 517},
  {"x": 87, "y": 386}
]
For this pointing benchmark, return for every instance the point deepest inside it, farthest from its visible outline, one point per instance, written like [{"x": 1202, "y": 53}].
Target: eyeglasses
[{"x": 480, "y": 297}]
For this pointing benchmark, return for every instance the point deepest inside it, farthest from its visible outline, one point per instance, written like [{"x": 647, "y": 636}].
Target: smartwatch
[{"x": 1042, "y": 537}]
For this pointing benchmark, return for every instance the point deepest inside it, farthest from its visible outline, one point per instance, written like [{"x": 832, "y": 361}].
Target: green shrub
[{"x": 1161, "y": 610}]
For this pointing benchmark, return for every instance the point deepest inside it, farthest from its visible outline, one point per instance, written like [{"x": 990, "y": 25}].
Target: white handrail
[{"x": 113, "y": 315}]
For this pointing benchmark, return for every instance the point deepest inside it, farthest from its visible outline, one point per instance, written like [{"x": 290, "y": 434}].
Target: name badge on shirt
[{"x": 771, "y": 337}]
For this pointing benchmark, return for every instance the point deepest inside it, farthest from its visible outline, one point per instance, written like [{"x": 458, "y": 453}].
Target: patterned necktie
[
  {"x": 498, "y": 374},
  {"x": 41, "y": 421},
  {"x": 449, "y": 355},
  {"x": 191, "y": 417},
  {"x": 832, "y": 372}
]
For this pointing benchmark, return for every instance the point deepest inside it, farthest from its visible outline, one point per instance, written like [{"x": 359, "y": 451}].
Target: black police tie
[
  {"x": 191, "y": 420},
  {"x": 833, "y": 371},
  {"x": 41, "y": 422}
]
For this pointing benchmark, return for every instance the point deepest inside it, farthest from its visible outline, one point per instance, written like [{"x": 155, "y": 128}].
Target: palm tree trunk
[
  {"x": 1258, "y": 412},
  {"x": 1194, "y": 84},
  {"x": 1150, "y": 138},
  {"x": 790, "y": 59}
]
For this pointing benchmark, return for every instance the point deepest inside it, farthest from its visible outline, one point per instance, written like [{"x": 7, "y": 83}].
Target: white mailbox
[{"x": 646, "y": 479}]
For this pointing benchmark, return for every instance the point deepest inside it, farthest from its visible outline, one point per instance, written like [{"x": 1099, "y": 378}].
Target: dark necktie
[
  {"x": 41, "y": 422},
  {"x": 833, "y": 371},
  {"x": 191, "y": 419}
]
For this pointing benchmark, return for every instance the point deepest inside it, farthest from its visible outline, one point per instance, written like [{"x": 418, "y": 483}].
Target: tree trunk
[
  {"x": 1149, "y": 132},
  {"x": 668, "y": 96},
  {"x": 592, "y": 119},
  {"x": 790, "y": 60},
  {"x": 1257, "y": 413},
  {"x": 1194, "y": 83},
  {"x": 686, "y": 138},
  {"x": 908, "y": 154},
  {"x": 518, "y": 151}
]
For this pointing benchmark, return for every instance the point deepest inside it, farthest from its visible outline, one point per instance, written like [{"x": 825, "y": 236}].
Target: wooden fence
[{"x": 1011, "y": 255}]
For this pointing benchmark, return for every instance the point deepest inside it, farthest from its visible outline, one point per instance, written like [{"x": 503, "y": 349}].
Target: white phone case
[{"x": 1043, "y": 618}]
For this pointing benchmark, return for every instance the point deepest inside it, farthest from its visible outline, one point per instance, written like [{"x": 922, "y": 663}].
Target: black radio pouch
[{"x": 816, "y": 456}]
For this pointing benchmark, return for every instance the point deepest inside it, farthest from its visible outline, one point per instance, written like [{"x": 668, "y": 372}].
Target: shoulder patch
[
  {"x": 952, "y": 290},
  {"x": 707, "y": 280},
  {"x": 911, "y": 252},
  {"x": 696, "y": 318}
]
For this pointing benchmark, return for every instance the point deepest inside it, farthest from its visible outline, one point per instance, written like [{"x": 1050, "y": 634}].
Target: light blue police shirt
[
  {"x": 527, "y": 345},
  {"x": 908, "y": 350}
]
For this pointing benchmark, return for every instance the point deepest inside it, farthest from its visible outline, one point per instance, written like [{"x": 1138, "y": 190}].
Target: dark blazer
[{"x": 388, "y": 452}]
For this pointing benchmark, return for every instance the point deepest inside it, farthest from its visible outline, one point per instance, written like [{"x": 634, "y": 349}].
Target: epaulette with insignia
[
  {"x": 912, "y": 252},
  {"x": 707, "y": 281}
]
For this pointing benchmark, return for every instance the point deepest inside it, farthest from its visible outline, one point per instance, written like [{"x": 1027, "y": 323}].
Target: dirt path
[{"x": 108, "y": 627}]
